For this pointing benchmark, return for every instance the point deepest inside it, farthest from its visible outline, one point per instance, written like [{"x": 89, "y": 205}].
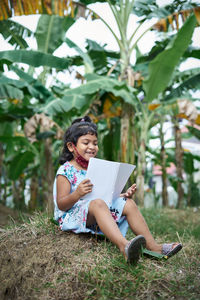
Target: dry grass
[{"x": 40, "y": 262}]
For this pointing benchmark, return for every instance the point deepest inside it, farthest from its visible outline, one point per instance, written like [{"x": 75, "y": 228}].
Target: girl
[{"x": 79, "y": 215}]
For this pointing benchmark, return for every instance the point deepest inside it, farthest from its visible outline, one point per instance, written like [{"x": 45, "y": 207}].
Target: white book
[{"x": 108, "y": 179}]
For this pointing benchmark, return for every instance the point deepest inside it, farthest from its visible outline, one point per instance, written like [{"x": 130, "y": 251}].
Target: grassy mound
[{"x": 38, "y": 261}]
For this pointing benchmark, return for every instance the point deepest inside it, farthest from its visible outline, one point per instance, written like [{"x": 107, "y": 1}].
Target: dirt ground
[{"x": 38, "y": 259}]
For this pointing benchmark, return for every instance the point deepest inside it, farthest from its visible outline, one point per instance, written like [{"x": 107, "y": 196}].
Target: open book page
[
  {"x": 102, "y": 174},
  {"x": 125, "y": 170},
  {"x": 108, "y": 179}
]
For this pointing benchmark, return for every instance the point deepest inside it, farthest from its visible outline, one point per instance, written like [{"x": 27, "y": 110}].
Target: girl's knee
[
  {"x": 97, "y": 204},
  {"x": 130, "y": 205}
]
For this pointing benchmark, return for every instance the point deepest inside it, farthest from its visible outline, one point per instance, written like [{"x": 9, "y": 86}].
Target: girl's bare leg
[
  {"x": 139, "y": 226},
  {"x": 100, "y": 213}
]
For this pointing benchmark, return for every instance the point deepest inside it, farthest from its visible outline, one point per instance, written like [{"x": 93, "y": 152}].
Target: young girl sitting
[{"x": 78, "y": 215}]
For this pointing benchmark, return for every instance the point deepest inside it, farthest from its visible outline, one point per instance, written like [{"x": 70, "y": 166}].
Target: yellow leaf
[
  {"x": 93, "y": 118},
  {"x": 197, "y": 14},
  {"x": 161, "y": 25},
  {"x": 170, "y": 20},
  {"x": 153, "y": 106},
  {"x": 175, "y": 16},
  {"x": 5, "y": 13},
  {"x": 19, "y": 134},
  {"x": 48, "y": 6},
  {"x": 72, "y": 8},
  {"x": 182, "y": 116},
  {"x": 197, "y": 121}
]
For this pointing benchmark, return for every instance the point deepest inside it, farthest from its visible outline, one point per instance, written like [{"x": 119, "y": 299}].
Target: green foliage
[
  {"x": 50, "y": 27},
  {"x": 162, "y": 67},
  {"x": 89, "y": 68},
  {"x": 34, "y": 58},
  {"x": 15, "y": 33},
  {"x": 194, "y": 131},
  {"x": 9, "y": 92},
  {"x": 192, "y": 83},
  {"x": 19, "y": 164},
  {"x": 77, "y": 104}
]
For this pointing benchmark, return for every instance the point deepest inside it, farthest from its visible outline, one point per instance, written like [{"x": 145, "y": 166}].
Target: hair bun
[
  {"x": 87, "y": 119},
  {"x": 84, "y": 119}
]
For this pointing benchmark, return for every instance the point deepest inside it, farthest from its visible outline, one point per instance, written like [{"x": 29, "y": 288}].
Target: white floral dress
[{"x": 74, "y": 219}]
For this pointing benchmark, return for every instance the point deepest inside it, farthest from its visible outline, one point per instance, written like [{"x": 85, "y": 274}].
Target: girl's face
[{"x": 87, "y": 146}]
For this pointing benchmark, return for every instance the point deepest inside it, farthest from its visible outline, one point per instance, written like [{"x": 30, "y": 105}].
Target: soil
[{"x": 38, "y": 261}]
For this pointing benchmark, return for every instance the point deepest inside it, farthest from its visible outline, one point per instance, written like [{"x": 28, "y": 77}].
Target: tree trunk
[
  {"x": 127, "y": 153},
  {"x": 179, "y": 162},
  {"x": 18, "y": 194},
  {"x": 163, "y": 167},
  {"x": 140, "y": 173},
  {"x": 127, "y": 134},
  {"x": 32, "y": 205},
  {"x": 48, "y": 177},
  {"x": 2, "y": 199}
]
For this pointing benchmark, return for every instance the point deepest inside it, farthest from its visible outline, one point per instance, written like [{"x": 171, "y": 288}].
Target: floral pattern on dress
[{"x": 75, "y": 218}]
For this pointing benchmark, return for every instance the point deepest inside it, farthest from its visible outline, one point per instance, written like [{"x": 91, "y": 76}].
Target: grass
[{"x": 49, "y": 264}]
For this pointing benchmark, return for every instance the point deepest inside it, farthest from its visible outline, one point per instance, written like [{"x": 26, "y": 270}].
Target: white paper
[{"x": 108, "y": 179}]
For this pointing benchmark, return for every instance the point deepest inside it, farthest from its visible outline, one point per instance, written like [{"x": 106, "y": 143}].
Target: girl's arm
[{"x": 65, "y": 199}]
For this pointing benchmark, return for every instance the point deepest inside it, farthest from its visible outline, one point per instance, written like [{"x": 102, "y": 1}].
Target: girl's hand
[
  {"x": 130, "y": 192},
  {"x": 84, "y": 188}
]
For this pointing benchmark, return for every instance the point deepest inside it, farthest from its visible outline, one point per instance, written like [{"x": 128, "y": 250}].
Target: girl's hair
[{"x": 79, "y": 127}]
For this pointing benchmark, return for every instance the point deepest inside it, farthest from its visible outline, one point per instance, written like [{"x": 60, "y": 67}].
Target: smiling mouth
[{"x": 90, "y": 153}]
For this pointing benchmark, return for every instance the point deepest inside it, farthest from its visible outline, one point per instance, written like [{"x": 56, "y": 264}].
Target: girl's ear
[{"x": 70, "y": 147}]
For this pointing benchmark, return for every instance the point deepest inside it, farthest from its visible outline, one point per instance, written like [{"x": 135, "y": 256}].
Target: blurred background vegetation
[{"x": 127, "y": 100}]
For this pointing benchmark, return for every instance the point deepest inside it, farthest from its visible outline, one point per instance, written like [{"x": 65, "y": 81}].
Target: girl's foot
[
  {"x": 171, "y": 249},
  {"x": 133, "y": 249}
]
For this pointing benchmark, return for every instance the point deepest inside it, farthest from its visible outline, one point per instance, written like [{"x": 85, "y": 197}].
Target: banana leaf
[
  {"x": 15, "y": 33},
  {"x": 34, "y": 58},
  {"x": 191, "y": 83},
  {"x": 194, "y": 131},
  {"x": 77, "y": 103},
  {"x": 42, "y": 91},
  {"x": 10, "y": 92},
  {"x": 96, "y": 83},
  {"x": 162, "y": 67},
  {"x": 48, "y": 28},
  {"x": 89, "y": 68},
  {"x": 19, "y": 163}
]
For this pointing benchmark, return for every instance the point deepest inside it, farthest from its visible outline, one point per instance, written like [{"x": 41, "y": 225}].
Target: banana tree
[{"x": 121, "y": 12}]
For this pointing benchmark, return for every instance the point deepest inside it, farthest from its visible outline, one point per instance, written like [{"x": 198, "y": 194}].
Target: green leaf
[
  {"x": 19, "y": 140},
  {"x": 89, "y": 68},
  {"x": 191, "y": 83},
  {"x": 34, "y": 85},
  {"x": 162, "y": 67},
  {"x": 15, "y": 33},
  {"x": 194, "y": 131},
  {"x": 96, "y": 83},
  {"x": 20, "y": 163},
  {"x": 50, "y": 27},
  {"x": 34, "y": 58},
  {"x": 9, "y": 92},
  {"x": 77, "y": 103}
]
